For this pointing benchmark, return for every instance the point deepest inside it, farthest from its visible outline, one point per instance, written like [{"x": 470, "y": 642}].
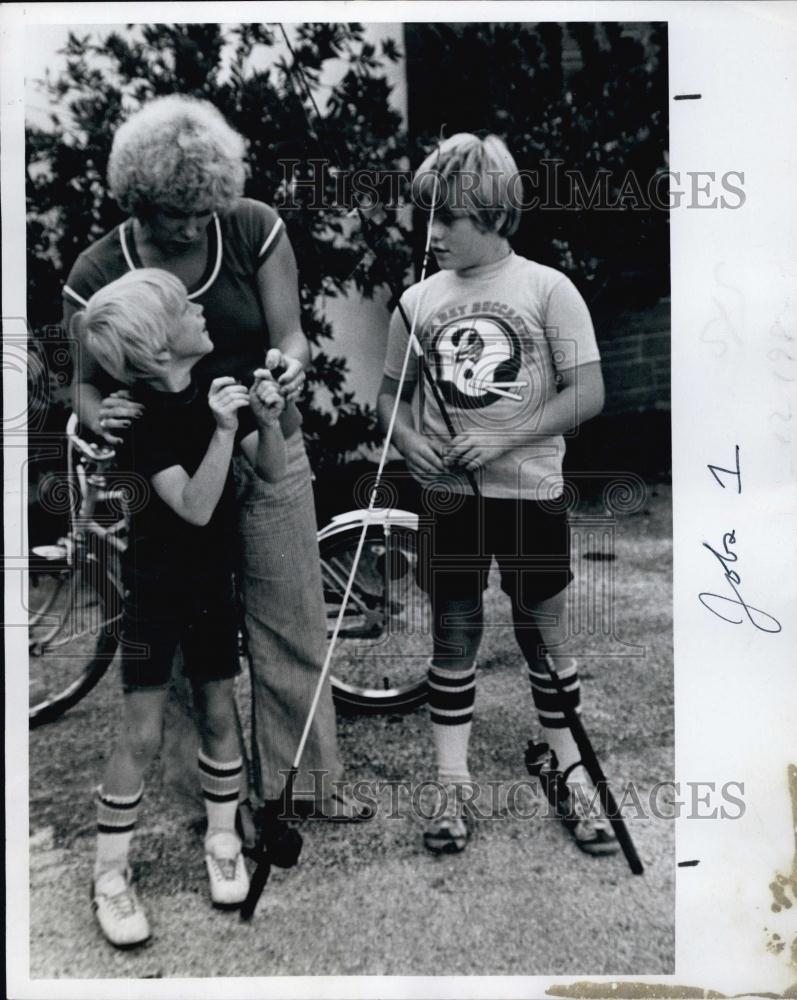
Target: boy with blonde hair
[
  {"x": 177, "y": 569},
  {"x": 512, "y": 349}
]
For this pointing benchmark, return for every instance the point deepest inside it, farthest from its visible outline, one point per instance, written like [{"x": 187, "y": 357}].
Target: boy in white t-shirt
[{"x": 512, "y": 349}]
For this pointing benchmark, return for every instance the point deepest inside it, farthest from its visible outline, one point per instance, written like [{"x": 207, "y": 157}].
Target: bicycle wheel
[
  {"x": 74, "y": 609},
  {"x": 385, "y": 640}
]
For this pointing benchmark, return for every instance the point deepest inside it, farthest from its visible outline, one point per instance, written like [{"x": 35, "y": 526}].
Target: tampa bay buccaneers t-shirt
[{"x": 496, "y": 339}]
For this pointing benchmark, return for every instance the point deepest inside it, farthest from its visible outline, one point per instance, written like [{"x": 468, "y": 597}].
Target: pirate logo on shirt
[{"x": 477, "y": 360}]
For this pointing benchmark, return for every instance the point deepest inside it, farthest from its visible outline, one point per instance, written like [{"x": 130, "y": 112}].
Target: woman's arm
[
  {"x": 86, "y": 397},
  {"x": 104, "y": 417},
  {"x": 278, "y": 286}
]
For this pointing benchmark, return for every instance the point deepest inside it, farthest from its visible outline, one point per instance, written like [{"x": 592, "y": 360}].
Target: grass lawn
[{"x": 369, "y": 900}]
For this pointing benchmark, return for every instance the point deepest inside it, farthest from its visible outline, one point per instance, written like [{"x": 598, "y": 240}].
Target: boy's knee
[
  {"x": 218, "y": 726},
  {"x": 144, "y": 740},
  {"x": 465, "y": 617},
  {"x": 217, "y": 718},
  {"x": 457, "y": 632}
]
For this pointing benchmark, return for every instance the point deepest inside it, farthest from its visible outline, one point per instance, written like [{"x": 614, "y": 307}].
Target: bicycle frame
[
  {"x": 87, "y": 465},
  {"x": 90, "y": 470}
]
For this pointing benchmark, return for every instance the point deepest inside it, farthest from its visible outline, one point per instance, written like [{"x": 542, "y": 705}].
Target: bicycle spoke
[
  {"x": 382, "y": 653},
  {"x": 341, "y": 579},
  {"x": 71, "y": 637}
]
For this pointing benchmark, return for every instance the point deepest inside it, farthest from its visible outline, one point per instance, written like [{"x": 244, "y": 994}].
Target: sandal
[{"x": 451, "y": 828}]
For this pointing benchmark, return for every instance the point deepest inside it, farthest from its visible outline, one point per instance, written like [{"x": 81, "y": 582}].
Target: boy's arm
[
  {"x": 422, "y": 454},
  {"x": 581, "y": 397},
  {"x": 265, "y": 448},
  {"x": 194, "y": 498},
  {"x": 580, "y": 393}
]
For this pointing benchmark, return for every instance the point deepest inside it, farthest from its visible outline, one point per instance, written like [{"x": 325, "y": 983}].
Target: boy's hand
[
  {"x": 265, "y": 398},
  {"x": 117, "y": 411},
  {"x": 291, "y": 377},
  {"x": 471, "y": 451},
  {"x": 423, "y": 456},
  {"x": 225, "y": 398}
]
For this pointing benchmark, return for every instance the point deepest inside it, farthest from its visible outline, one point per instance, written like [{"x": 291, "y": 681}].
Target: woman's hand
[
  {"x": 291, "y": 380},
  {"x": 116, "y": 413},
  {"x": 265, "y": 399},
  {"x": 225, "y": 398}
]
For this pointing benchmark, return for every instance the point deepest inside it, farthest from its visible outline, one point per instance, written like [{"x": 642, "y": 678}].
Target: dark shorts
[
  {"x": 460, "y": 536},
  {"x": 162, "y": 611}
]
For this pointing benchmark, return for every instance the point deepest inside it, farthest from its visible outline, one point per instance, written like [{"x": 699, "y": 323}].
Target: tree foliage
[{"x": 245, "y": 71}]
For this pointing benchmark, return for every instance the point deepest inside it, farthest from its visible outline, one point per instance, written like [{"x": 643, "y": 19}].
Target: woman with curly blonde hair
[
  {"x": 176, "y": 152},
  {"x": 178, "y": 169}
]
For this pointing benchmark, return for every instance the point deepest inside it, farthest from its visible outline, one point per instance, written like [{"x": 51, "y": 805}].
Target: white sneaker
[
  {"x": 119, "y": 913},
  {"x": 229, "y": 880}
]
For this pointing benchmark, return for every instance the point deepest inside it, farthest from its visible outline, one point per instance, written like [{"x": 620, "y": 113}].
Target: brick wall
[
  {"x": 635, "y": 354},
  {"x": 571, "y": 54}
]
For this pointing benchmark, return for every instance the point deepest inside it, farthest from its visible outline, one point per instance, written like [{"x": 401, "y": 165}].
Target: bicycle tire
[
  {"x": 380, "y": 662},
  {"x": 73, "y": 630}
]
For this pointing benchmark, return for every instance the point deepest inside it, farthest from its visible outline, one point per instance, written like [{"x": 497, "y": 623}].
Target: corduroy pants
[{"x": 279, "y": 580}]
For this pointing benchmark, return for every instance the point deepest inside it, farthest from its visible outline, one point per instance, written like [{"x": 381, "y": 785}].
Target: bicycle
[
  {"x": 74, "y": 593},
  {"x": 75, "y": 598}
]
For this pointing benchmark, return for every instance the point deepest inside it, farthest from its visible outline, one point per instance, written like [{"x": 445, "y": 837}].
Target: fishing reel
[
  {"x": 538, "y": 758},
  {"x": 284, "y": 846},
  {"x": 281, "y": 844}
]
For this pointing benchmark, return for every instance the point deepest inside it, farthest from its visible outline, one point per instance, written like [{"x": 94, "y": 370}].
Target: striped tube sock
[
  {"x": 549, "y": 702},
  {"x": 116, "y": 820},
  {"x": 451, "y": 697},
  {"x": 221, "y": 783}
]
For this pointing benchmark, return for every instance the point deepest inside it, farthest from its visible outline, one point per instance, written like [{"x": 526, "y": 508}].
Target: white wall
[{"x": 360, "y": 324}]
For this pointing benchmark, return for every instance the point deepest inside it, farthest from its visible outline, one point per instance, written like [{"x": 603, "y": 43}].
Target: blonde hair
[
  {"x": 176, "y": 152},
  {"x": 126, "y": 324},
  {"x": 471, "y": 174}
]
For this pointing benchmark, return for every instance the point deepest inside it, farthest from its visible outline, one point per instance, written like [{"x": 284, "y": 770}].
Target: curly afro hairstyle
[{"x": 176, "y": 152}]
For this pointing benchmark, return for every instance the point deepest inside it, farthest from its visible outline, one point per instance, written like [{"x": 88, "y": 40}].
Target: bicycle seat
[{"x": 89, "y": 449}]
